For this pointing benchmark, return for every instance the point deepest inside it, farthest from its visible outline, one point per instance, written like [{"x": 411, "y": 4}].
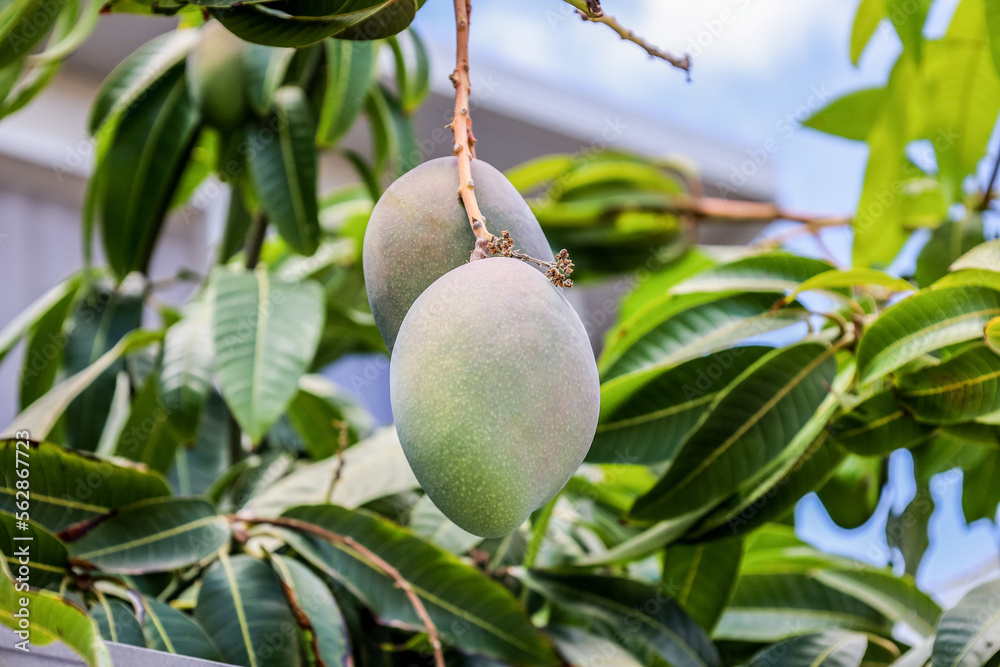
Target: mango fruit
[
  {"x": 215, "y": 76},
  {"x": 419, "y": 231},
  {"x": 495, "y": 393}
]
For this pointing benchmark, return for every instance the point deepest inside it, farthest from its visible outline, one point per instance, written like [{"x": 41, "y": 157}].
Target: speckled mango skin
[
  {"x": 495, "y": 393},
  {"x": 419, "y": 231}
]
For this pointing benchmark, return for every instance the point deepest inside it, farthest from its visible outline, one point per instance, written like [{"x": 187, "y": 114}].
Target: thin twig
[
  {"x": 375, "y": 559},
  {"x": 590, "y": 10},
  {"x": 461, "y": 125}
]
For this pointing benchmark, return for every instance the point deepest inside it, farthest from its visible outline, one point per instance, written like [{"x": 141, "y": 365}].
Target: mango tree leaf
[
  {"x": 23, "y": 24},
  {"x": 284, "y": 171},
  {"x": 959, "y": 389},
  {"x": 29, "y": 318},
  {"x": 985, "y": 256},
  {"x": 117, "y": 621},
  {"x": 199, "y": 463},
  {"x": 265, "y": 333},
  {"x": 578, "y": 647},
  {"x": 52, "y": 618},
  {"x": 653, "y": 423},
  {"x": 964, "y": 89},
  {"x": 908, "y": 17},
  {"x": 39, "y": 417},
  {"x": 993, "y": 26},
  {"x": 350, "y": 72},
  {"x": 851, "y": 116},
  {"x": 141, "y": 169},
  {"x": 923, "y": 323},
  {"x": 947, "y": 244},
  {"x": 981, "y": 487},
  {"x": 470, "y": 611},
  {"x": 264, "y": 69},
  {"x": 167, "y": 629},
  {"x": 412, "y": 69},
  {"x": 683, "y": 330},
  {"x": 969, "y": 633},
  {"x": 824, "y": 649},
  {"x": 68, "y": 486},
  {"x": 878, "y": 225},
  {"x": 769, "y": 272},
  {"x": 907, "y": 531},
  {"x": 138, "y": 73},
  {"x": 147, "y": 435},
  {"x": 870, "y": 13},
  {"x": 153, "y": 535},
  {"x": 898, "y": 598},
  {"x": 427, "y": 521},
  {"x": 647, "y": 622},
  {"x": 98, "y": 323},
  {"x": 186, "y": 371},
  {"x": 749, "y": 424},
  {"x": 918, "y": 656},
  {"x": 323, "y": 415},
  {"x": 316, "y": 611},
  {"x": 241, "y": 605},
  {"x": 701, "y": 577},
  {"x": 47, "y": 559},
  {"x": 774, "y": 607},
  {"x": 645, "y": 543},
  {"x": 878, "y": 426},
  {"x": 42, "y": 356},
  {"x": 840, "y": 278}
]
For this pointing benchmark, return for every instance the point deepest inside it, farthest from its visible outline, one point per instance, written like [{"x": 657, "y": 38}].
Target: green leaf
[
  {"x": 963, "y": 87},
  {"x": 870, "y": 13},
  {"x": 147, "y": 435},
  {"x": 185, "y": 374},
  {"x": 840, "y": 278},
  {"x": 769, "y": 272},
  {"x": 683, "y": 328},
  {"x": 908, "y": 17},
  {"x": 981, "y": 487},
  {"x": 655, "y": 421},
  {"x": 984, "y": 256},
  {"x": 40, "y": 417},
  {"x": 199, "y": 463},
  {"x": 42, "y": 356},
  {"x": 878, "y": 225},
  {"x": 774, "y": 607},
  {"x": 969, "y": 633},
  {"x": 30, "y": 318},
  {"x": 117, "y": 621},
  {"x": 316, "y": 610},
  {"x": 47, "y": 559},
  {"x": 141, "y": 169},
  {"x": 993, "y": 27},
  {"x": 68, "y": 486},
  {"x": 908, "y": 531},
  {"x": 23, "y": 23},
  {"x": 350, "y": 72},
  {"x": 322, "y": 415},
  {"x": 241, "y": 605},
  {"x": 878, "y": 426},
  {"x": 471, "y": 611},
  {"x": 153, "y": 535},
  {"x": 430, "y": 523},
  {"x": 924, "y": 322},
  {"x": 284, "y": 170},
  {"x": 138, "y": 73},
  {"x": 701, "y": 577},
  {"x": 169, "y": 630},
  {"x": 824, "y": 649},
  {"x": 960, "y": 389},
  {"x": 578, "y": 647},
  {"x": 412, "y": 69},
  {"x": 265, "y": 333},
  {"x": 749, "y": 424},
  {"x": 647, "y": 622},
  {"x": 898, "y": 598},
  {"x": 851, "y": 116},
  {"x": 300, "y": 24},
  {"x": 645, "y": 543},
  {"x": 52, "y": 618},
  {"x": 947, "y": 244},
  {"x": 264, "y": 69}
]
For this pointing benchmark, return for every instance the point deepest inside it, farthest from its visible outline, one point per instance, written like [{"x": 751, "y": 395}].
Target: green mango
[
  {"x": 215, "y": 76},
  {"x": 495, "y": 393},
  {"x": 419, "y": 231}
]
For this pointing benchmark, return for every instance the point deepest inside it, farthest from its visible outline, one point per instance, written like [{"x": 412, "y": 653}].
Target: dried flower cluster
[{"x": 558, "y": 270}]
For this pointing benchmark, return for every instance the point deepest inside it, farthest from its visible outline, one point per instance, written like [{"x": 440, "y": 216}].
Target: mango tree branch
[
  {"x": 461, "y": 126},
  {"x": 590, "y": 10},
  {"x": 370, "y": 556}
]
